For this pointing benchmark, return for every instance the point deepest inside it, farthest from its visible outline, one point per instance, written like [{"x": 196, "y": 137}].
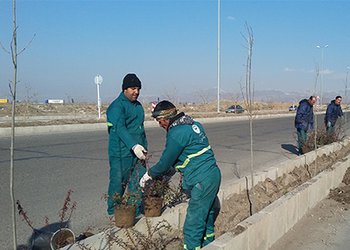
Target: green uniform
[
  {"x": 125, "y": 127},
  {"x": 188, "y": 150}
]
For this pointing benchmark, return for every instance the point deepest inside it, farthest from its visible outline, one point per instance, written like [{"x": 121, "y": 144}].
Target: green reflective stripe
[
  {"x": 209, "y": 236},
  {"x": 193, "y": 155},
  {"x": 196, "y": 248},
  {"x": 109, "y": 124}
]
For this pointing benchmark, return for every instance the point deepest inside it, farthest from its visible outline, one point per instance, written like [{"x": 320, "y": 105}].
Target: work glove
[
  {"x": 329, "y": 124},
  {"x": 139, "y": 151},
  {"x": 144, "y": 179}
]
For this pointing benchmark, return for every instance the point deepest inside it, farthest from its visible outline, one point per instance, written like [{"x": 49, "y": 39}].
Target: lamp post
[
  {"x": 322, "y": 69},
  {"x": 98, "y": 80},
  {"x": 218, "y": 69}
]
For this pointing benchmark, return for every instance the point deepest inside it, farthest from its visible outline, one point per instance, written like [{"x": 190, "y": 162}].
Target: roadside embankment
[
  {"x": 298, "y": 186},
  {"x": 283, "y": 194}
]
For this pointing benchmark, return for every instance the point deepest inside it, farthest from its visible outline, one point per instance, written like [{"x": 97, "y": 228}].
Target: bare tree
[
  {"x": 248, "y": 97},
  {"x": 346, "y": 92},
  {"x": 204, "y": 96},
  {"x": 13, "y": 109},
  {"x": 172, "y": 95},
  {"x": 13, "y": 87},
  {"x": 317, "y": 74}
]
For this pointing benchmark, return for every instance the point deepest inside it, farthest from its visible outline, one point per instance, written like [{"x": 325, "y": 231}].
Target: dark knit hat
[{"x": 131, "y": 80}]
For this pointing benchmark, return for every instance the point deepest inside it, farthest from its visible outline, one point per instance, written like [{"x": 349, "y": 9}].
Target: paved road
[{"x": 48, "y": 165}]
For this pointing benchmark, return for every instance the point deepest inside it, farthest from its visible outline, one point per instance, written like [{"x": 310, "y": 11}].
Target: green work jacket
[
  {"x": 187, "y": 149},
  {"x": 125, "y": 126}
]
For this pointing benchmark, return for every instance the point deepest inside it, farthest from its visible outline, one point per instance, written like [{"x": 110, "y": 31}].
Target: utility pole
[{"x": 218, "y": 63}]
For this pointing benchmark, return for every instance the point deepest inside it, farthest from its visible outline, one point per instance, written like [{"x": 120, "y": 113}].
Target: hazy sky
[{"x": 172, "y": 45}]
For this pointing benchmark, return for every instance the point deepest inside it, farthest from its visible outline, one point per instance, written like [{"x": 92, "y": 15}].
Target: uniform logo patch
[{"x": 196, "y": 129}]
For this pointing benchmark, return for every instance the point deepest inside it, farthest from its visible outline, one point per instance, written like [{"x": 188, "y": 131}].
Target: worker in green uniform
[
  {"x": 127, "y": 141},
  {"x": 187, "y": 149}
]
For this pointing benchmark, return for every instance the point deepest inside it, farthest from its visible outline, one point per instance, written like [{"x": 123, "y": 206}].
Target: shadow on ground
[{"x": 291, "y": 148}]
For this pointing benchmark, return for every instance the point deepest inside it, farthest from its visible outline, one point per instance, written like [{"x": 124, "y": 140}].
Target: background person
[
  {"x": 187, "y": 149},
  {"x": 127, "y": 141},
  {"x": 304, "y": 120},
  {"x": 333, "y": 112}
]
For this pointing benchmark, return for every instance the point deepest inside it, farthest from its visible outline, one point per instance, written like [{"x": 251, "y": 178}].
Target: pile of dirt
[
  {"x": 342, "y": 193},
  {"x": 238, "y": 207}
]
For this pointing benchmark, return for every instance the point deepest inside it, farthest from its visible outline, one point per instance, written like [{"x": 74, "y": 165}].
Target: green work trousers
[
  {"x": 302, "y": 138},
  {"x": 124, "y": 173},
  {"x": 200, "y": 217},
  {"x": 330, "y": 129}
]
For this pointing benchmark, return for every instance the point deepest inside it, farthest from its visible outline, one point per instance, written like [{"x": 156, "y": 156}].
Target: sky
[{"x": 172, "y": 46}]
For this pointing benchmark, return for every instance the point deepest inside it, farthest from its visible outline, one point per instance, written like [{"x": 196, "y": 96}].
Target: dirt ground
[
  {"x": 327, "y": 226},
  {"x": 87, "y": 113},
  {"x": 91, "y": 108},
  {"x": 237, "y": 207}
]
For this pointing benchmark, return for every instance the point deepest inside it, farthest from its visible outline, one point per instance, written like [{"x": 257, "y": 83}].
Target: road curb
[
  {"x": 267, "y": 226},
  {"x": 66, "y": 128},
  {"x": 264, "y": 228}
]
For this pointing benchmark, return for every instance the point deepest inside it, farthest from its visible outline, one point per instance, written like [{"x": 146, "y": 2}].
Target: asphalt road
[{"x": 47, "y": 166}]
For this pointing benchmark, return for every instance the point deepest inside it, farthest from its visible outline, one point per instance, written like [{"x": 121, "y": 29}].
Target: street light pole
[
  {"x": 322, "y": 70},
  {"x": 218, "y": 63}
]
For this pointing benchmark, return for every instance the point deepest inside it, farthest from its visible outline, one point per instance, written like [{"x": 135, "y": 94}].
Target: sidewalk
[{"x": 326, "y": 227}]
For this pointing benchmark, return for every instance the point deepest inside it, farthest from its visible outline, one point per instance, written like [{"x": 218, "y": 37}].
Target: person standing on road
[
  {"x": 127, "y": 141},
  {"x": 187, "y": 149},
  {"x": 333, "y": 112},
  {"x": 304, "y": 121}
]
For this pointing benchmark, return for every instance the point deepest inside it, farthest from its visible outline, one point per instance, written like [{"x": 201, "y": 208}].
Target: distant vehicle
[
  {"x": 293, "y": 108},
  {"x": 54, "y": 101},
  {"x": 235, "y": 109}
]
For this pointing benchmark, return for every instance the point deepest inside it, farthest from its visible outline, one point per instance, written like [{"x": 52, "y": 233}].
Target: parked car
[
  {"x": 293, "y": 108},
  {"x": 235, "y": 109}
]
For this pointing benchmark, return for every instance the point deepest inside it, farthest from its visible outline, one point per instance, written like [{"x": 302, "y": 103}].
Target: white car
[{"x": 293, "y": 108}]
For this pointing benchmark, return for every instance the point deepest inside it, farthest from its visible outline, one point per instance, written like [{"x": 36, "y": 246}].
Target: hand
[
  {"x": 139, "y": 151},
  {"x": 329, "y": 124},
  {"x": 144, "y": 179}
]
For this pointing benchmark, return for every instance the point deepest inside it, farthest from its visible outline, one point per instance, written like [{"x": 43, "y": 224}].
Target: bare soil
[
  {"x": 77, "y": 113},
  {"x": 237, "y": 208},
  {"x": 341, "y": 194}
]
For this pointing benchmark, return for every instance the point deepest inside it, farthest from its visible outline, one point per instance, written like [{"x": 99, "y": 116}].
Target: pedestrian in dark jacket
[
  {"x": 333, "y": 112},
  {"x": 304, "y": 120}
]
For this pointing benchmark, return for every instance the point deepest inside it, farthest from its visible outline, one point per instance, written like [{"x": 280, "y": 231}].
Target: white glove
[
  {"x": 144, "y": 179},
  {"x": 139, "y": 151}
]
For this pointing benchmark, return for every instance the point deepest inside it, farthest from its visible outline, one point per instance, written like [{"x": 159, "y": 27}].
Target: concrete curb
[
  {"x": 264, "y": 228},
  {"x": 267, "y": 226},
  {"x": 65, "y": 128}
]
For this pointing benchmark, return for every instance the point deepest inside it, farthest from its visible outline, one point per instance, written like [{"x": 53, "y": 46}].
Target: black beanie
[{"x": 131, "y": 80}]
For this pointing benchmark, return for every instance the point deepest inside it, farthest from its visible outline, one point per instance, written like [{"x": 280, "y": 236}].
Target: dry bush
[{"x": 323, "y": 138}]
